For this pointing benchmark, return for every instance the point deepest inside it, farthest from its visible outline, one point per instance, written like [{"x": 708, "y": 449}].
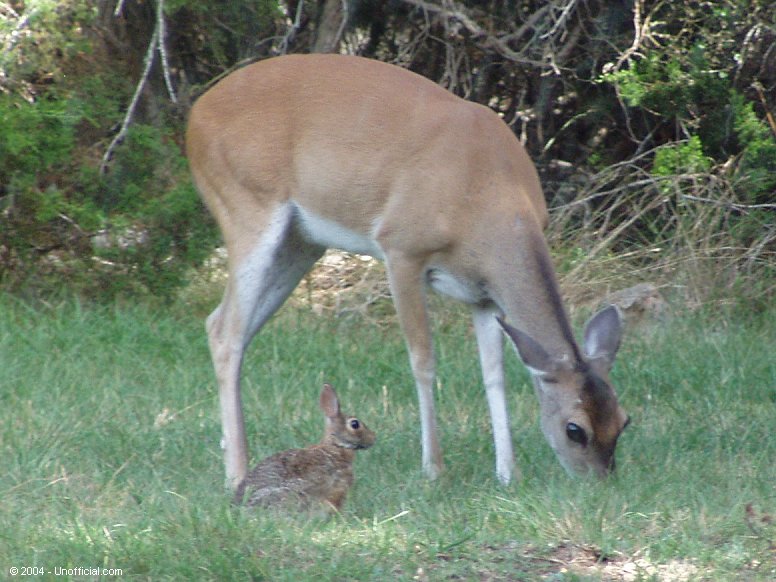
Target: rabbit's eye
[{"x": 354, "y": 424}]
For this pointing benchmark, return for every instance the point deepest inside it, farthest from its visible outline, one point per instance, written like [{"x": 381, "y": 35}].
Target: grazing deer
[{"x": 299, "y": 153}]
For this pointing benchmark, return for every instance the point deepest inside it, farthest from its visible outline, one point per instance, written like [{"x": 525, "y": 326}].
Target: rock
[{"x": 641, "y": 305}]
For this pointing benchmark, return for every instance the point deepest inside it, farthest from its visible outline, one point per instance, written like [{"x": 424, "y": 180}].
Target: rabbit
[{"x": 315, "y": 476}]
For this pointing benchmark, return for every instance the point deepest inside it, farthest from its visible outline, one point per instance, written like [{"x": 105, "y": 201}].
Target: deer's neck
[{"x": 529, "y": 295}]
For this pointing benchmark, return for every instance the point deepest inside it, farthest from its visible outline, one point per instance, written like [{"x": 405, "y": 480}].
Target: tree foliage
[{"x": 611, "y": 99}]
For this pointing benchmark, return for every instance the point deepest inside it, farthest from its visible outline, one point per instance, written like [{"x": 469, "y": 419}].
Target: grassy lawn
[{"x": 109, "y": 441}]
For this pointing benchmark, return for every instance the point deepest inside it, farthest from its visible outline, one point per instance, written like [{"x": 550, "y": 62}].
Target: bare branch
[
  {"x": 8, "y": 9},
  {"x": 162, "y": 27},
  {"x": 749, "y": 40},
  {"x": 768, "y": 114},
  {"x": 455, "y": 13},
  {"x": 119, "y": 8},
  {"x": 726, "y": 204},
  {"x": 156, "y": 43},
  {"x": 501, "y": 47},
  {"x": 330, "y": 26},
  {"x": 530, "y": 24},
  {"x": 13, "y": 37},
  {"x": 345, "y": 16},
  {"x": 149, "y": 60},
  {"x": 561, "y": 21},
  {"x": 637, "y": 35},
  {"x": 288, "y": 38},
  {"x": 486, "y": 40}
]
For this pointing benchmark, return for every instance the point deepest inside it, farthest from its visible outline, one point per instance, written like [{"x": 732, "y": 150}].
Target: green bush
[
  {"x": 691, "y": 101},
  {"x": 151, "y": 200},
  {"x": 33, "y": 136},
  {"x": 157, "y": 228},
  {"x": 756, "y": 170},
  {"x": 145, "y": 212},
  {"x": 135, "y": 230},
  {"x": 681, "y": 157},
  {"x": 36, "y": 145},
  {"x": 681, "y": 91}
]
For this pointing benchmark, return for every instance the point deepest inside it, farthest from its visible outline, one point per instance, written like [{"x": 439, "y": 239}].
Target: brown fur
[
  {"x": 300, "y": 153},
  {"x": 318, "y": 475}
]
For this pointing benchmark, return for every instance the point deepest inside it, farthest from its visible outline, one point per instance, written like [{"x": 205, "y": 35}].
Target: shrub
[
  {"x": 681, "y": 157},
  {"x": 156, "y": 227},
  {"x": 136, "y": 230},
  {"x": 756, "y": 169}
]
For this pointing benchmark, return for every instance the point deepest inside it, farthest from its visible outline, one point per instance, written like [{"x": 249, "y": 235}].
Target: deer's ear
[
  {"x": 603, "y": 333},
  {"x": 533, "y": 355}
]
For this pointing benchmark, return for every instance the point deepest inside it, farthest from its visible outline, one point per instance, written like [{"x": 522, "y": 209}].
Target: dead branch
[
  {"x": 331, "y": 25},
  {"x": 162, "y": 26},
  {"x": 528, "y": 25},
  {"x": 453, "y": 13},
  {"x": 156, "y": 44},
  {"x": 15, "y": 35},
  {"x": 561, "y": 20},
  {"x": 119, "y": 8},
  {"x": 726, "y": 204},
  {"x": 119, "y": 137},
  {"x": 488, "y": 41},
  {"x": 290, "y": 35},
  {"x": 344, "y": 21},
  {"x": 768, "y": 114},
  {"x": 638, "y": 34}
]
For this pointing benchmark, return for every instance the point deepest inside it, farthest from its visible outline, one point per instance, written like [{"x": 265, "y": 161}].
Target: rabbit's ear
[{"x": 329, "y": 403}]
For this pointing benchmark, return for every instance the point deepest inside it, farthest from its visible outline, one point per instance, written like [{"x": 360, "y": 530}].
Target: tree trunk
[{"x": 331, "y": 23}]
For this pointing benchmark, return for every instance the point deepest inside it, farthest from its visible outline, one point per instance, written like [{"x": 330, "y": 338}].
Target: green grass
[{"x": 109, "y": 441}]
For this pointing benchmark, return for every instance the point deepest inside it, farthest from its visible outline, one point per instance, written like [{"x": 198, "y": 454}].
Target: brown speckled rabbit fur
[{"x": 318, "y": 475}]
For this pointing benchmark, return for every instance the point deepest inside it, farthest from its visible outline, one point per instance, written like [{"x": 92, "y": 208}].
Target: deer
[{"x": 296, "y": 154}]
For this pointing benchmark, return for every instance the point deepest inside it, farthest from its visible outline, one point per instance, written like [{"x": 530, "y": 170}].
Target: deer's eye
[
  {"x": 576, "y": 433},
  {"x": 354, "y": 424}
]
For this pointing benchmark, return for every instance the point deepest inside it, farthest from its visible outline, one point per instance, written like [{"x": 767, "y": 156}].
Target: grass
[{"x": 109, "y": 435}]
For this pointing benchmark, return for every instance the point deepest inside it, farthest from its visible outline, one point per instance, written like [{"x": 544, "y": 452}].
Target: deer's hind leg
[{"x": 266, "y": 262}]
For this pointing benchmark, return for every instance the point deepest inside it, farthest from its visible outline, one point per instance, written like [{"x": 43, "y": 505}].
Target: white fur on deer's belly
[
  {"x": 329, "y": 234},
  {"x": 459, "y": 289}
]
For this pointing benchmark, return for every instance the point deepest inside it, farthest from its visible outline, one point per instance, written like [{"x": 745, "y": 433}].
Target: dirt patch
[
  {"x": 342, "y": 283},
  {"x": 588, "y": 561},
  {"x": 516, "y": 562}
]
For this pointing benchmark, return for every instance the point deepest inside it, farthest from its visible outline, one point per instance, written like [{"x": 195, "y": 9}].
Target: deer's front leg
[{"x": 491, "y": 347}]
